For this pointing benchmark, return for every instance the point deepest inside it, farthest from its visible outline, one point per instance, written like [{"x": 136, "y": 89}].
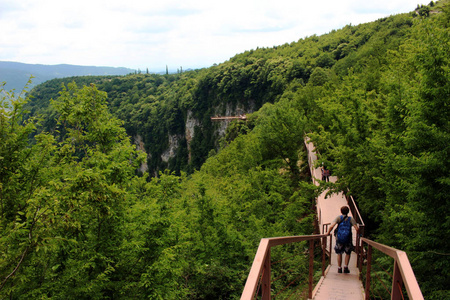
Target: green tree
[
  {"x": 68, "y": 222},
  {"x": 417, "y": 162},
  {"x": 281, "y": 128},
  {"x": 319, "y": 77}
]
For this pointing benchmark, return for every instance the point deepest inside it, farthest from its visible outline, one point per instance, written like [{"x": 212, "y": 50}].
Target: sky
[{"x": 153, "y": 34}]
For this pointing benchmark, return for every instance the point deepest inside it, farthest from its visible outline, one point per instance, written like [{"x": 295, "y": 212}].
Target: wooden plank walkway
[{"x": 334, "y": 285}]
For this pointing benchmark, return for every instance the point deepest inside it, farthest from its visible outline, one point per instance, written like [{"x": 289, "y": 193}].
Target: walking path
[{"x": 334, "y": 285}]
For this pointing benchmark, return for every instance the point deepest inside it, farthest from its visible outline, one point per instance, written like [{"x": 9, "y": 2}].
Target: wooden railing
[
  {"x": 403, "y": 275},
  {"x": 259, "y": 278}
]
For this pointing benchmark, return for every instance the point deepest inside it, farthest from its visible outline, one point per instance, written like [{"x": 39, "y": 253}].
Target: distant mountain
[{"x": 16, "y": 74}]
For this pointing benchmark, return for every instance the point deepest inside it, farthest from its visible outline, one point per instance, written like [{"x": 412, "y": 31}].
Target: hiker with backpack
[{"x": 343, "y": 233}]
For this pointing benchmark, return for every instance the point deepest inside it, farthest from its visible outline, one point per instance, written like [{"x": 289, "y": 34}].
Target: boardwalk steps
[{"x": 335, "y": 285}]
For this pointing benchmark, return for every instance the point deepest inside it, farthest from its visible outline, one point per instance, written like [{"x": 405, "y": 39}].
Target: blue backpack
[{"x": 344, "y": 231}]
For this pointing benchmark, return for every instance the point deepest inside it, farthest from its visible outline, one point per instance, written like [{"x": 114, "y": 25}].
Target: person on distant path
[
  {"x": 343, "y": 235},
  {"x": 325, "y": 174}
]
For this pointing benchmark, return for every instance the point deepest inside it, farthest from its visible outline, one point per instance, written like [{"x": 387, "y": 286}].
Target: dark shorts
[{"x": 341, "y": 248}]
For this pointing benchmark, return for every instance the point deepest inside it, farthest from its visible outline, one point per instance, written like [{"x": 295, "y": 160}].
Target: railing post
[
  {"x": 360, "y": 250},
  {"x": 369, "y": 266},
  {"x": 357, "y": 248},
  {"x": 324, "y": 248},
  {"x": 265, "y": 281},
  {"x": 360, "y": 257},
  {"x": 311, "y": 268},
  {"x": 397, "y": 283},
  {"x": 331, "y": 242}
]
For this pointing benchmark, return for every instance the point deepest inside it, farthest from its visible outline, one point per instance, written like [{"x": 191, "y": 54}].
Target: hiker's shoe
[
  {"x": 339, "y": 270},
  {"x": 346, "y": 270}
]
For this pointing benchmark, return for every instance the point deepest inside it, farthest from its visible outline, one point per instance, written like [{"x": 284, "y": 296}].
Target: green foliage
[
  {"x": 88, "y": 228},
  {"x": 63, "y": 202},
  {"x": 387, "y": 141}
]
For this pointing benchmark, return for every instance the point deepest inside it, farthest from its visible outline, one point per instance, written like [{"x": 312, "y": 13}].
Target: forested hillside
[
  {"x": 17, "y": 74},
  {"x": 78, "y": 220}
]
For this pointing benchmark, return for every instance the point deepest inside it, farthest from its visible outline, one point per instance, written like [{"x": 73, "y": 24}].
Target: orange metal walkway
[{"x": 334, "y": 285}]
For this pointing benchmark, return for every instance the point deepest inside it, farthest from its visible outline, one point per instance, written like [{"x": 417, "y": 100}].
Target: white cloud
[{"x": 189, "y": 33}]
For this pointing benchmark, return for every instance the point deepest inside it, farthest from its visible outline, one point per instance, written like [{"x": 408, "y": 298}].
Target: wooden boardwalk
[{"x": 334, "y": 285}]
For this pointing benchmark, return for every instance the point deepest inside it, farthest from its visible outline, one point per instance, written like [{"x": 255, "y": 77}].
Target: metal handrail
[
  {"x": 403, "y": 272},
  {"x": 261, "y": 267}
]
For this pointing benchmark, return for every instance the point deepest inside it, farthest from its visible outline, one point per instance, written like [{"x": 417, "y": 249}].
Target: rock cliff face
[
  {"x": 140, "y": 146},
  {"x": 174, "y": 141},
  {"x": 191, "y": 122}
]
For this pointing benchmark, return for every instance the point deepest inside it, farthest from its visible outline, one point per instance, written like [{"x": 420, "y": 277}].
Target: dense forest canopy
[{"x": 78, "y": 221}]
